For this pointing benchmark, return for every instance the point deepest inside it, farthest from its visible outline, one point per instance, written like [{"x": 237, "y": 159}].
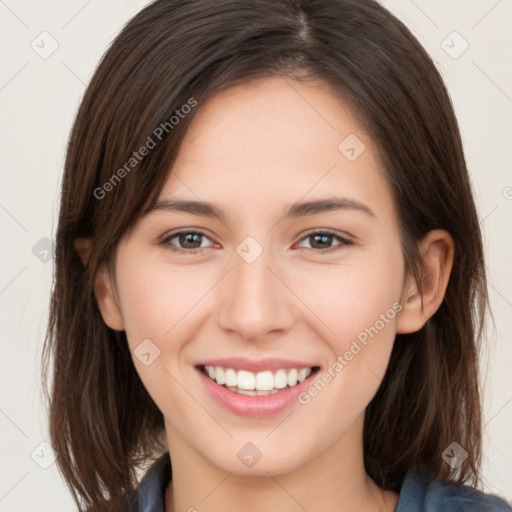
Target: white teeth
[
  {"x": 252, "y": 392},
  {"x": 303, "y": 373},
  {"x": 292, "y": 377},
  {"x": 219, "y": 375},
  {"x": 280, "y": 379},
  {"x": 231, "y": 378},
  {"x": 246, "y": 380},
  {"x": 257, "y": 384},
  {"x": 247, "y": 392},
  {"x": 264, "y": 381}
]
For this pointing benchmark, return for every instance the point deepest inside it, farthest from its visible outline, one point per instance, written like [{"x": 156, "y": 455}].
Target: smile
[
  {"x": 255, "y": 388},
  {"x": 263, "y": 383}
]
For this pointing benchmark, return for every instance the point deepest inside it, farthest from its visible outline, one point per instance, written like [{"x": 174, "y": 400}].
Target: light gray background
[{"x": 38, "y": 100}]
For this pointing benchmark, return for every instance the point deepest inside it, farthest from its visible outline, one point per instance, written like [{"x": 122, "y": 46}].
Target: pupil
[
  {"x": 324, "y": 238},
  {"x": 187, "y": 238}
]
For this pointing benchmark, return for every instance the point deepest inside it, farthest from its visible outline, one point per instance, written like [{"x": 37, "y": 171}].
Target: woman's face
[{"x": 264, "y": 281}]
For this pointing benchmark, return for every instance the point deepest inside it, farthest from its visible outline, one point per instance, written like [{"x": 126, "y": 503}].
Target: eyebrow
[{"x": 299, "y": 209}]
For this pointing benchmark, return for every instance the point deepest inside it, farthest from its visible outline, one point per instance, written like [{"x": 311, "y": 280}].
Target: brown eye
[
  {"x": 186, "y": 241},
  {"x": 322, "y": 241}
]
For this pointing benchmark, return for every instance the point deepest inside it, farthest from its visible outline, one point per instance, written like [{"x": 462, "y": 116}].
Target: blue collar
[{"x": 419, "y": 493}]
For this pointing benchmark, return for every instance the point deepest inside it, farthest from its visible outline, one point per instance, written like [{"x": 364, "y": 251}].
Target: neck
[{"x": 333, "y": 481}]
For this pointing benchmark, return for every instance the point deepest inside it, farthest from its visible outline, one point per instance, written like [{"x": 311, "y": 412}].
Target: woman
[{"x": 269, "y": 269}]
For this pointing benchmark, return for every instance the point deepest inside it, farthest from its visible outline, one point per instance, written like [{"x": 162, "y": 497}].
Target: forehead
[{"x": 275, "y": 140}]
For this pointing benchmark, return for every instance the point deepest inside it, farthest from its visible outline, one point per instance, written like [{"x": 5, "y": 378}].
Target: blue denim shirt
[{"x": 418, "y": 494}]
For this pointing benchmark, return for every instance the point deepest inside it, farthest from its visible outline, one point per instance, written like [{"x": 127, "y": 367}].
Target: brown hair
[{"x": 103, "y": 423}]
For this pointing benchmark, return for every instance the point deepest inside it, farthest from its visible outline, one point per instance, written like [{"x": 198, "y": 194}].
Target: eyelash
[{"x": 344, "y": 242}]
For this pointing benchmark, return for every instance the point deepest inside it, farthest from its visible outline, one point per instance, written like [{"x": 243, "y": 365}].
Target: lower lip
[{"x": 254, "y": 406}]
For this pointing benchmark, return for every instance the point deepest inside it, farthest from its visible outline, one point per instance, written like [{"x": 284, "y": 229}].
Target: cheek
[
  {"x": 160, "y": 306},
  {"x": 158, "y": 300},
  {"x": 359, "y": 304},
  {"x": 355, "y": 296}
]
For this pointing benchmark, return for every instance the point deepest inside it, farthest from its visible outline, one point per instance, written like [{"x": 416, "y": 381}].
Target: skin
[{"x": 252, "y": 150}]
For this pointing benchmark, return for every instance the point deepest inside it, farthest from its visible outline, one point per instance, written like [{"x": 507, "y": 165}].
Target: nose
[{"x": 255, "y": 301}]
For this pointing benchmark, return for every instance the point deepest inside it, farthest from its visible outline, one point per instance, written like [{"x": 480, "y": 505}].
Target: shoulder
[
  {"x": 420, "y": 493},
  {"x": 150, "y": 494}
]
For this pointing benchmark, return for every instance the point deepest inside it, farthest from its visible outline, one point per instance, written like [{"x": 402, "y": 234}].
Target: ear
[
  {"x": 436, "y": 249},
  {"x": 103, "y": 287},
  {"x": 83, "y": 246}
]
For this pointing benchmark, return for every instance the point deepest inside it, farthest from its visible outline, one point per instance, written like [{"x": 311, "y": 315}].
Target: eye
[
  {"x": 188, "y": 240},
  {"x": 322, "y": 240}
]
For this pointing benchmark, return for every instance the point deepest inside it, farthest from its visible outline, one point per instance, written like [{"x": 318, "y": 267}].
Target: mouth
[{"x": 255, "y": 384}]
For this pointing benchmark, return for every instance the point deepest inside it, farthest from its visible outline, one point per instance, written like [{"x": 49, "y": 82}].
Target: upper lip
[{"x": 241, "y": 363}]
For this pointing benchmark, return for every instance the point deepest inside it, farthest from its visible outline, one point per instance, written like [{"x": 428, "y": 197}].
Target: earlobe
[
  {"x": 103, "y": 289},
  {"x": 107, "y": 302},
  {"x": 418, "y": 305},
  {"x": 83, "y": 247}
]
